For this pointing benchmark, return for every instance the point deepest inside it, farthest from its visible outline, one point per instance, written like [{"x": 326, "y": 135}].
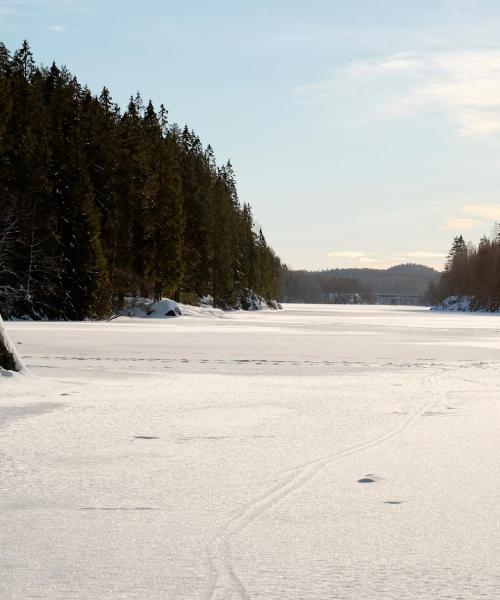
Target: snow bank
[
  {"x": 166, "y": 308},
  {"x": 8, "y": 353}
]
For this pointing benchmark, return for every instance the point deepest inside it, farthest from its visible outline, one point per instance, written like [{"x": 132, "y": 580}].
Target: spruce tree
[{"x": 97, "y": 205}]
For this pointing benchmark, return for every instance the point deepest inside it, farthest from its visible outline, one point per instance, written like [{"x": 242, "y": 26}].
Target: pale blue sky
[{"x": 363, "y": 132}]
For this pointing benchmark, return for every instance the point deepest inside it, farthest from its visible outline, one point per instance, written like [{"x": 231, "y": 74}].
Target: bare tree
[{"x": 9, "y": 288}]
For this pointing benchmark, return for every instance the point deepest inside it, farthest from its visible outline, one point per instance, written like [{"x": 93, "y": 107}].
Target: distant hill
[
  {"x": 312, "y": 286},
  {"x": 401, "y": 279}
]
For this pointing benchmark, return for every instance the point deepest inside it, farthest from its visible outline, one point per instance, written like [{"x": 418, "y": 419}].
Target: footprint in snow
[{"x": 370, "y": 478}]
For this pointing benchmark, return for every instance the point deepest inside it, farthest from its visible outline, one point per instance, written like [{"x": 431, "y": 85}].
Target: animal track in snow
[{"x": 224, "y": 583}]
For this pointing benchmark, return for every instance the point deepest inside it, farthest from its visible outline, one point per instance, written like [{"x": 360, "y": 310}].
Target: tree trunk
[{"x": 8, "y": 356}]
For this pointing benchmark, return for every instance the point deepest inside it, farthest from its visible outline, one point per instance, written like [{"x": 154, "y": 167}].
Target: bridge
[{"x": 399, "y": 299}]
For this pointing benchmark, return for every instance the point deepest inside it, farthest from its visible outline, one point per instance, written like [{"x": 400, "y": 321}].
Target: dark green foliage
[
  {"x": 471, "y": 271},
  {"x": 96, "y": 205}
]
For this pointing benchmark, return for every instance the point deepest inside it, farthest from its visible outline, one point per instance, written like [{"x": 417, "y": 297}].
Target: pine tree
[{"x": 97, "y": 205}]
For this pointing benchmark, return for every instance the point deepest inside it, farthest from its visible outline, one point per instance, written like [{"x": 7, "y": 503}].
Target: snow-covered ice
[{"x": 321, "y": 452}]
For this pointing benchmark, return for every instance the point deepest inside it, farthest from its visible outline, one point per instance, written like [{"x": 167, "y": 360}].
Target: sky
[{"x": 364, "y": 133}]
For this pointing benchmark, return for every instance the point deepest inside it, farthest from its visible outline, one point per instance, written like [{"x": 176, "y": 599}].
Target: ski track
[{"x": 224, "y": 582}]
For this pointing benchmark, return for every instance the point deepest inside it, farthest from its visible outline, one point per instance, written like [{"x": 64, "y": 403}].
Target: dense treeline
[
  {"x": 471, "y": 272},
  {"x": 96, "y": 204},
  {"x": 313, "y": 286}
]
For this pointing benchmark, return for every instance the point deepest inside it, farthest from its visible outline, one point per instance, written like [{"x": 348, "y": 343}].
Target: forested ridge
[
  {"x": 313, "y": 286},
  {"x": 97, "y": 204},
  {"x": 473, "y": 272}
]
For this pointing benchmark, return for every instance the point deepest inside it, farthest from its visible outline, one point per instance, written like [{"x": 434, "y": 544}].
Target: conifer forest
[
  {"x": 97, "y": 204},
  {"x": 473, "y": 272}
]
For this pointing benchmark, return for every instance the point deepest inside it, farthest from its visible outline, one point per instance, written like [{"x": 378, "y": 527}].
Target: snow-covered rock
[
  {"x": 466, "y": 304},
  {"x": 249, "y": 300},
  {"x": 9, "y": 358},
  {"x": 455, "y": 303},
  {"x": 146, "y": 308},
  {"x": 207, "y": 301}
]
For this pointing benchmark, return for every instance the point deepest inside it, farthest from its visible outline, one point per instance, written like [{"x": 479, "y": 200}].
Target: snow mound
[
  {"x": 144, "y": 308},
  {"x": 202, "y": 311},
  {"x": 149, "y": 309}
]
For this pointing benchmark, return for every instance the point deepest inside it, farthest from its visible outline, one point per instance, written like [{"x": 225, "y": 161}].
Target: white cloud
[
  {"x": 348, "y": 254},
  {"x": 484, "y": 215},
  {"x": 353, "y": 257},
  {"x": 421, "y": 254},
  {"x": 369, "y": 260},
  {"x": 464, "y": 86},
  {"x": 460, "y": 223},
  {"x": 490, "y": 212}
]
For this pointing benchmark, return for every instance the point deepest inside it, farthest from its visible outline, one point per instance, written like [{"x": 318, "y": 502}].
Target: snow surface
[{"x": 319, "y": 452}]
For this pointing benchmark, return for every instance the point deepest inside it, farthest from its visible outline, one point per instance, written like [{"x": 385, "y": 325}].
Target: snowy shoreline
[{"x": 464, "y": 304}]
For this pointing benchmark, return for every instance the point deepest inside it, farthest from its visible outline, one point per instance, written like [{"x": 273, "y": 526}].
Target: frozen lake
[{"x": 322, "y": 452}]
